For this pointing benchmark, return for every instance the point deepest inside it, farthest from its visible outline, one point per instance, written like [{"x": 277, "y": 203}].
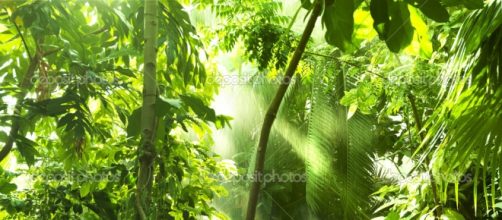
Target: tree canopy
[{"x": 239, "y": 109}]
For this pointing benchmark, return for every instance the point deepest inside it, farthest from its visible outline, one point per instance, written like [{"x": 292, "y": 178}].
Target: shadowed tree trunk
[{"x": 272, "y": 112}]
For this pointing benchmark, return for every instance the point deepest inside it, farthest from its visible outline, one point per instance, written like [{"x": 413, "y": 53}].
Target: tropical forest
[{"x": 250, "y": 109}]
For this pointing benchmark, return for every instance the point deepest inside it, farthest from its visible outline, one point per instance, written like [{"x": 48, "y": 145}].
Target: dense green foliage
[{"x": 393, "y": 111}]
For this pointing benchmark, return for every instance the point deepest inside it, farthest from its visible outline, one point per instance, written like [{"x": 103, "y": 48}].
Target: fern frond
[{"x": 338, "y": 159}]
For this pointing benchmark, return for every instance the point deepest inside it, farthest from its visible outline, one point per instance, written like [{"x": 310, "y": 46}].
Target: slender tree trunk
[
  {"x": 146, "y": 149},
  {"x": 438, "y": 212},
  {"x": 25, "y": 86},
  {"x": 342, "y": 140},
  {"x": 272, "y": 112}
]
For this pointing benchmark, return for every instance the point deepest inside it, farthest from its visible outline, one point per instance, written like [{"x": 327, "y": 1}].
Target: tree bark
[
  {"x": 146, "y": 149},
  {"x": 272, "y": 112}
]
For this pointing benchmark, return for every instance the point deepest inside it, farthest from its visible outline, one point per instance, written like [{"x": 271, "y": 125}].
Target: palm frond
[{"x": 465, "y": 130}]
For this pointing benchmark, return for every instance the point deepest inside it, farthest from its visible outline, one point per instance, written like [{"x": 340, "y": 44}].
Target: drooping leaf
[
  {"x": 339, "y": 22},
  {"x": 421, "y": 44},
  {"x": 200, "y": 109},
  {"x": 134, "y": 123},
  {"x": 26, "y": 148},
  {"x": 400, "y": 31},
  {"x": 3, "y": 136},
  {"x": 6, "y": 187},
  {"x": 380, "y": 13},
  {"x": 392, "y": 22},
  {"x": 125, "y": 71}
]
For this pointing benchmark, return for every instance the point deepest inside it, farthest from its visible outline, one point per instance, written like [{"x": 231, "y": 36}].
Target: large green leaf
[
  {"x": 400, "y": 31},
  {"x": 163, "y": 105},
  {"x": 450, "y": 214},
  {"x": 392, "y": 22},
  {"x": 6, "y": 187},
  {"x": 421, "y": 44},
  {"x": 26, "y": 148},
  {"x": 200, "y": 109},
  {"x": 470, "y": 4},
  {"x": 125, "y": 71},
  {"x": 339, "y": 22},
  {"x": 307, "y": 4},
  {"x": 380, "y": 12},
  {"x": 134, "y": 123},
  {"x": 432, "y": 9}
]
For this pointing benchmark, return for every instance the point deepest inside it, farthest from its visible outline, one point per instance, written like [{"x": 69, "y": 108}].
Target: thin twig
[
  {"x": 22, "y": 37},
  {"x": 294, "y": 18}
]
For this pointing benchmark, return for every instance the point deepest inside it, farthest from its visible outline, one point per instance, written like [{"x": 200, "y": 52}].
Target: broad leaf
[
  {"x": 6, "y": 187},
  {"x": 26, "y": 148},
  {"x": 163, "y": 105},
  {"x": 199, "y": 108},
  {"x": 380, "y": 13},
  {"x": 134, "y": 123},
  {"x": 392, "y": 22},
  {"x": 126, "y": 72},
  {"x": 85, "y": 189},
  {"x": 339, "y": 21},
  {"x": 432, "y": 9},
  {"x": 470, "y": 4},
  {"x": 307, "y": 4}
]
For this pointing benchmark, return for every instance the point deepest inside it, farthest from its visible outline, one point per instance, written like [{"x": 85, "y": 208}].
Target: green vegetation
[{"x": 240, "y": 109}]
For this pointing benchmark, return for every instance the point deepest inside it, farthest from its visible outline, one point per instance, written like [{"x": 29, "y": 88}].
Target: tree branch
[
  {"x": 418, "y": 123},
  {"x": 22, "y": 37}
]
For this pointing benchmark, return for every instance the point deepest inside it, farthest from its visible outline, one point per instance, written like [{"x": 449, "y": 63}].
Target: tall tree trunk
[
  {"x": 146, "y": 149},
  {"x": 273, "y": 109},
  {"x": 25, "y": 85}
]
